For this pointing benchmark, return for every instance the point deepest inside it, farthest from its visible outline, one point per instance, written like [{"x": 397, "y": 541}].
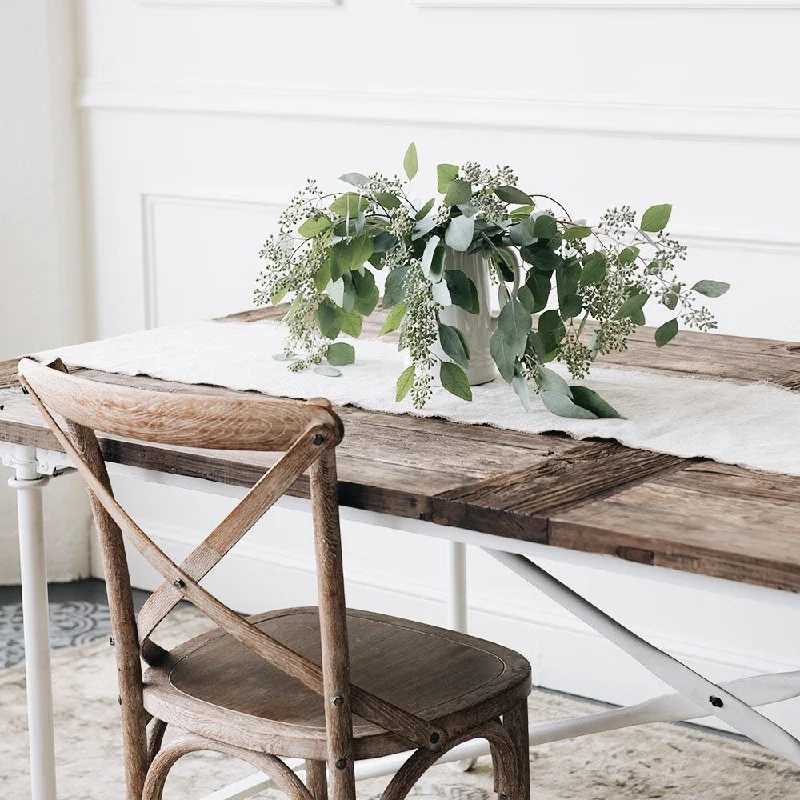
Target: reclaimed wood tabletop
[{"x": 595, "y": 496}]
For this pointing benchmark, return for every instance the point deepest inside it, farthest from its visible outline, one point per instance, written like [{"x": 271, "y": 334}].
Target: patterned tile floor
[{"x": 78, "y": 615}]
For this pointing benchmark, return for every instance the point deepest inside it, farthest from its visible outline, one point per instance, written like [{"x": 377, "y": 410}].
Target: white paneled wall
[
  {"x": 202, "y": 117},
  {"x": 41, "y": 272}
]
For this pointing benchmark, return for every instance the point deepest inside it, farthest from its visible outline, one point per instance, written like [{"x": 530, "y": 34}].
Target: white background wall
[
  {"x": 42, "y": 286},
  {"x": 200, "y": 117}
]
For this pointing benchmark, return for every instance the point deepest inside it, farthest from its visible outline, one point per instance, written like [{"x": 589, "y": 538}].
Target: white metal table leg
[
  {"x": 457, "y": 611},
  {"x": 29, "y": 484},
  {"x": 707, "y": 696},
  {"x": 457, "y": 586}
]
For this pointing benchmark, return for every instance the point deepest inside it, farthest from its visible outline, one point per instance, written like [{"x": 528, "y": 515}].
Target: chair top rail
[{"x": 236, "y": 422}]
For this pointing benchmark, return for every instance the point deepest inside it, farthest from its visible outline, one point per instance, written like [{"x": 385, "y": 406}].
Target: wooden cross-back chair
[{"x": 326, "y": 684}]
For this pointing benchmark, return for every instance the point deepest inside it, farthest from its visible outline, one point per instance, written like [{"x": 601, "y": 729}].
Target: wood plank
[
  {"x": 723, "y": 521},
  {"x": 594, "y": 496},
  {"x": 525, "y": 498}
]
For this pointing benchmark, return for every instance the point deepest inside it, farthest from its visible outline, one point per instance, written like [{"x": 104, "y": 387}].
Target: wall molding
[
  {"x": 609, "y": 117},
  {"x": 150, "y": 201},
  {"x": 678, "y": 5},
  {"x": 239, "y": 3}
]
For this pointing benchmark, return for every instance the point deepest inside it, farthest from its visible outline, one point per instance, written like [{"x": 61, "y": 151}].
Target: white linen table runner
[{"x": 754, "y": 425}]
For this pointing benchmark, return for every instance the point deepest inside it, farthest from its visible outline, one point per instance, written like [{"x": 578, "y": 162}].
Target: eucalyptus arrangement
[{"x": 553, "y": 274}]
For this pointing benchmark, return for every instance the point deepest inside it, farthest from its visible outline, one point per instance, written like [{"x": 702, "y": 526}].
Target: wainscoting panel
[{"x": 200, "y": 254}]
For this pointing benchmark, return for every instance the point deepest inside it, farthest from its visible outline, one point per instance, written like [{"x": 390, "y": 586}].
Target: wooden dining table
[{"x": 510, "y": 493}]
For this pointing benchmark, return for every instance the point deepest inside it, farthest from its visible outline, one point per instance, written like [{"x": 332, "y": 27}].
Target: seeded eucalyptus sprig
[{"x": 329, "y": 246}]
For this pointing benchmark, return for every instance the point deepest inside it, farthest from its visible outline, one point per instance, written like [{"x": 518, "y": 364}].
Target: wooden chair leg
[
  {"x": 317, "y": 779},
  {"x": 515, "y": 721}
]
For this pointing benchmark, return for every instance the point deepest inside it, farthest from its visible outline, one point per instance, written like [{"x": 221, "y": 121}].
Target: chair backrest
[{"x": 307, "y": 434}]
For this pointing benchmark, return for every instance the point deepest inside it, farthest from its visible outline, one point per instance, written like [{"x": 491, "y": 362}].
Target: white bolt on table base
[{"x": 695, "y": 696}]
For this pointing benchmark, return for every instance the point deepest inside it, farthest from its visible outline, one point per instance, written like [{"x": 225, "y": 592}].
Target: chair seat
[{"x": 214, "y": 686}]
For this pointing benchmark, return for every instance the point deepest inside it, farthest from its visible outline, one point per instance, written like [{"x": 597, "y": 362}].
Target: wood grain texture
[
  {"x": 450, "y": 679},
  {"x": 202, "y": 687},
  {"x": 546, "y": 488}
]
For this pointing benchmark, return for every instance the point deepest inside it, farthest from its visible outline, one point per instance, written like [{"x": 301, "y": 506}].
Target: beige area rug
[{"x": 656, "y": 761}]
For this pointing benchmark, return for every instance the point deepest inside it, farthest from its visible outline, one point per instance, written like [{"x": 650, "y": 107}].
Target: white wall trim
[
  {"x": 149, "y": 203},
  {"x": 704, "y": 240},
  {"x": 606, "y": 117},
  {"x": 679, "y": 5},
  {"x": 239, "y": 3}
]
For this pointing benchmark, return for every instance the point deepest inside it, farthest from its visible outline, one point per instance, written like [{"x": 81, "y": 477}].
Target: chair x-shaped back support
[{"x": 307, "y": 433}]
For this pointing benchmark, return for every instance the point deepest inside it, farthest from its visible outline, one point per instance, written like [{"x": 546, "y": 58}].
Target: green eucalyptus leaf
[
  {"x": 563, "y": 406},
  {"x": 322, "y": 277},
  {"x": 356, "y": 251},
  {"x": 628, "y": 255},
  {"x": 315, "y": 225},
  {"x": 387, "y": 200},
  {"x": 343, "y": 293},
  {"x": 454, "y": 344},
  {"x": 551, "y": 329},
  {"x": 431, "y": 263},
  {"x": 577, "y": 232},
  {"x": 536, "y": 343},
  {"x": 329, "y": 372},
  {"x": 540, "y": 286},
  {"x": 366, "y": 291},
  {"x": 458, "y": 192},
  {"x": 446, "y": 174},
  {"x": 404, "y": 383},
  {"x": 591, "y": 401},
  {"x": 656, "y": 218},
  {"x": 520, "y": 386},
  {"x": 423, "y": 212},
  {"x": 349, "y": 205},
  {"x": 667, "y": 332},
  {"x": 383, "y": 242},
  {"x": 632, "y": 307},
  {"x": 545, "y": 227},
  {"x": 278, "y": 295},
  {"x": 350, "y": 322},
  {"x": 410, "y": 161},
  {"x": 340, "y": 354},
  {"x": 570, "y": 305},
  {"x": 328, "y": 319},
  {"x": 523, "y": 233},
  {"x": 514, "y": 323},
  {"x": 550, "y": 381},
  {"x": 637, "y": 317},
  {"x": 395, "y": 291},
  {"x": 711, "y": 288},
  {"x": 525, "y": 296},
  {"x": 394, "y": 318},
  {"x": 510, "y": 194},
  {"x": 353, "y": 178},
  {"x": 670, "y": 298},
  {"x": 503, "y": 354},
  {"x": 523, "y": 212},
  {"x": 455, "y": 380},
  {"x": 463, "y": 292},
  {"x": 459, "y": 233},
  {"x": 422, "y": 228},
  {"x": 595, "y": 268},
  {"x": 542, "y": 256}
]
